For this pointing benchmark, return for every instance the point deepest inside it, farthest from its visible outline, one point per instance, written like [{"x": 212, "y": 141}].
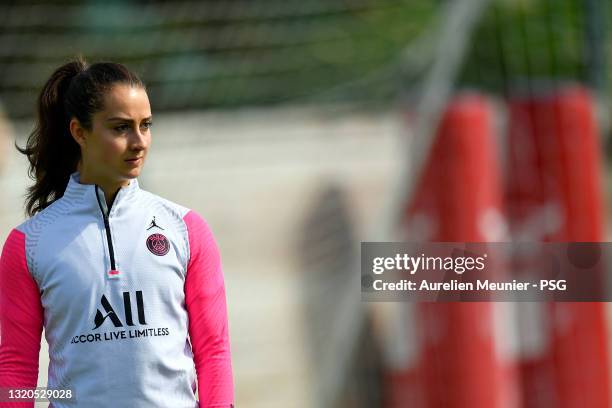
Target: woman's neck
[{"x": 109, "y": 187}]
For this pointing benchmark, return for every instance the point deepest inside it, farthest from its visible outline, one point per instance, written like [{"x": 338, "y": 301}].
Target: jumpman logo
[{"x": 153, "y": 224}]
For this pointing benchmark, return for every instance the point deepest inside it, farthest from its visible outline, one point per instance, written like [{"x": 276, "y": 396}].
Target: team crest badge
[{"x": 158, "y": 244}]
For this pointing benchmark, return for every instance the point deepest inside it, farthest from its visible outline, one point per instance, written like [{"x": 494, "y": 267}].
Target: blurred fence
[{"x": 202, "y": 54}]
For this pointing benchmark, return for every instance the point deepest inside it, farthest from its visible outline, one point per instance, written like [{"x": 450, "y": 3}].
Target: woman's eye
[
  {"x": 147, "y": 125},
  {"x": 121, "y": 128}
]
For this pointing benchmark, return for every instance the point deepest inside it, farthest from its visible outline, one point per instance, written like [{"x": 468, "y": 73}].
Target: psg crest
[{"x": 158, "y": 244}]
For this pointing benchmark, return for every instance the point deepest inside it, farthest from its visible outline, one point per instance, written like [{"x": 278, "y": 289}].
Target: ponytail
[{"x": 73, "y": 90}]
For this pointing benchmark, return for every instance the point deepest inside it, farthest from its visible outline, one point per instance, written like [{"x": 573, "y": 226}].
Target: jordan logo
[{"x": 153, "y": 224}]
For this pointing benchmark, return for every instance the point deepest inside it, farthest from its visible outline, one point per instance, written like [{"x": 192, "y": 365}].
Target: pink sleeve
[
  {"x": 207, "y": 311},
  {"x": 21, "y": 319}
]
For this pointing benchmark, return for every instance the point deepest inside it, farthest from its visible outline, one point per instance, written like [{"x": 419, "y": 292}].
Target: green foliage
[{"x": 529, "y": 41}]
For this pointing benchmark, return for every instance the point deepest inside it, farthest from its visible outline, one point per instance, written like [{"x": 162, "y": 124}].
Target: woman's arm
[
  {"x": 21, "y": 319},
  {"x": 207, "y": 310}
]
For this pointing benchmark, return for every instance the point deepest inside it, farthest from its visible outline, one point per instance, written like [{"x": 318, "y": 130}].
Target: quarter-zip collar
[
  {"x": 90, "y": 197},
  {"x": 83, "y": 197}
]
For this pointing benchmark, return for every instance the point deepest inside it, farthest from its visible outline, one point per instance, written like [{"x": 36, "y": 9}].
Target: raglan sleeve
[
  {"x": 21, "y": 319},
  {"x": 207, "y": 311}
]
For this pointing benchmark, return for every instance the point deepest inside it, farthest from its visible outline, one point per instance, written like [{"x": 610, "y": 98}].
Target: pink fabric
[
  {"x": 207, "y": 310},
  {"x": 21, "y": 319}
]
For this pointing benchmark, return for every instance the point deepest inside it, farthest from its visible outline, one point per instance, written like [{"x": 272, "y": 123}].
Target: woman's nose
[{"x": 138, "y": 138}]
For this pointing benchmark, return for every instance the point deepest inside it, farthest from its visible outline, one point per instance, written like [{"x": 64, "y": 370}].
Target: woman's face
[{"x": 115, "y": 149}]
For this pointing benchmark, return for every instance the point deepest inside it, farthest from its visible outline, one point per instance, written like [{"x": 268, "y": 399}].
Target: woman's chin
[{"x": 132, "y": 173}]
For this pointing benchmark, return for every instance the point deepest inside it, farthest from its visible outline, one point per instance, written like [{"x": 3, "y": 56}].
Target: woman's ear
[{"x": 77, "y": 132}]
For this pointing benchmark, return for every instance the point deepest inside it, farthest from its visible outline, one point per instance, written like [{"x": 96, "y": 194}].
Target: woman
[{"x": 127, "y": 285}]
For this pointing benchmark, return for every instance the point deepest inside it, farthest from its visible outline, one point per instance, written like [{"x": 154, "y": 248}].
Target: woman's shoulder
[
  {"x": 188, "y": 216},
  {"x": 43, "y": 218},
  {"x": 169, "y": 206}
]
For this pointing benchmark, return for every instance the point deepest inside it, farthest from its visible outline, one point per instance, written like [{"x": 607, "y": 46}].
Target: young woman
[{"x": 127, "y": 285}]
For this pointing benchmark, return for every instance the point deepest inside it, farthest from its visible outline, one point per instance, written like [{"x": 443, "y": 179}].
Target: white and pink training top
[{"x": 132, "y": 301}]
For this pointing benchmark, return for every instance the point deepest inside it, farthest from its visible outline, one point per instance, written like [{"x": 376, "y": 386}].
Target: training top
[{"x": 132, "y": 300}]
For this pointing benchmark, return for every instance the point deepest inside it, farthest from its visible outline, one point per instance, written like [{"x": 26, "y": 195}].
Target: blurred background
[{"x": 301, "y": 128}]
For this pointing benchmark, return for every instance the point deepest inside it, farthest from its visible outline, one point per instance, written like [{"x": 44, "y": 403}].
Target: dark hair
[{"x": 74, "y": 90}]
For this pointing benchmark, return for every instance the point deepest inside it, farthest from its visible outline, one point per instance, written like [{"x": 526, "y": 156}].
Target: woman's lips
[{"x": 135, "y": 161}]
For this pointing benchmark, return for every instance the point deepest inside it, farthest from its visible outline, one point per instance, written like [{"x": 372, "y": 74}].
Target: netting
[
  {"x": 212, "y": 54},
  {"x": 526, "y": 43}
]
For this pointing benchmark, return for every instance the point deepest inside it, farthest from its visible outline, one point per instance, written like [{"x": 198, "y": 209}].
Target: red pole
[
  {"x": 459, "y": 198},
  {"x": 554, "y": 194}
]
